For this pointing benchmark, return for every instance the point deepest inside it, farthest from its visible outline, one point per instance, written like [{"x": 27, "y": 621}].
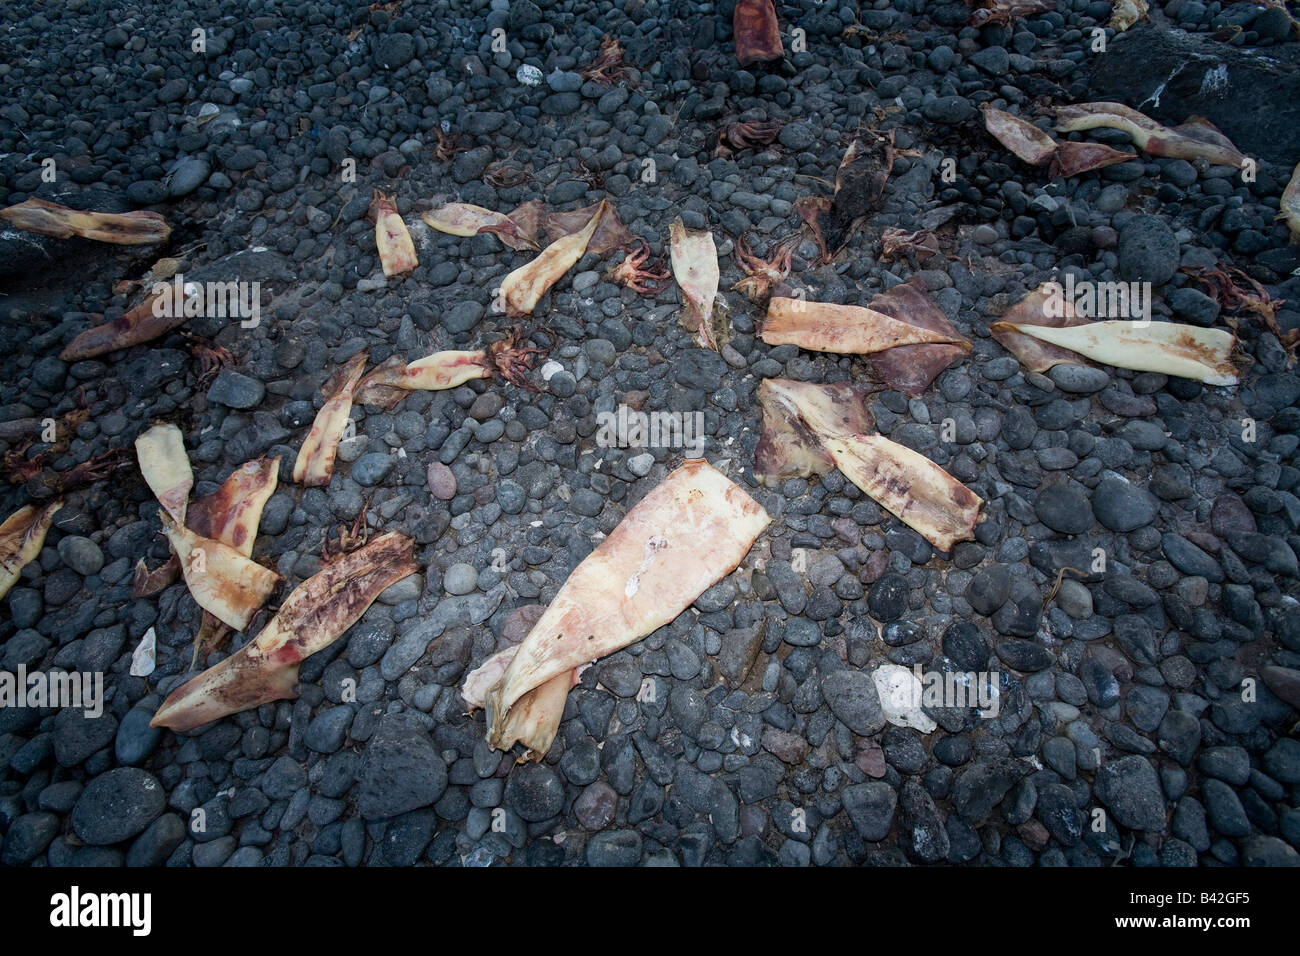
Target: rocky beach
[{"x": 1122, "y": 620}]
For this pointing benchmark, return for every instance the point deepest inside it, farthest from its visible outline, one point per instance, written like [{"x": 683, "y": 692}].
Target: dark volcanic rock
[
  {"x": 1130, "y": 789},
  {"x": 117, "y": 805},
  {"x": 401, "y": 769}
]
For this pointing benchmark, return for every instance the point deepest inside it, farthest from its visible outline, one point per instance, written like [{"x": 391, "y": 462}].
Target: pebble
[
  {"x": 1122, "y": 506},
  {"x": 534, "y": 792},
  {"x": 117, "y": 805},
  {"x": 852, "y": 697},
  {"x": 372, "y": 468},
  {"x": 236, "y": 390},
  {"x": 460, "y": 578},
  {"x": 1064, "y": 508},
  {"x": 401, "y": 770},
  {"x": 1148, "y": 250},
  {"x": 441, "y": 480},
  {"x": 81, "y": 555},
  {"x": 1130, "y": 790},
  {"x": 887, "y": 599}
]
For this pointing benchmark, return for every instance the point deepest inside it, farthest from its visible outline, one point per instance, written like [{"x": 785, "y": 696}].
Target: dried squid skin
[
  {"x": 694, "y": 260},
  {"x": 843, "y": 329},
  {"x": 396, "y": 251},
  {"x": 1187, "y": 351},
  {"x": 526, "y": 285},
  {"x": 1196, "y": 138},
  {"x": 166, "y": 467},
  {"x": 21, "y": 538},
  {"x": 684, "y": 536},
  {"x": 757, "y": 33},
  {"x": 46, "y": 218},
  {"x": 315, "y": 463},
  {"x": 1032, "y": 352},
  {"x": 910, "y": 486},
  {"x": 220, "y": 579},
  {"x": 315, "y": 615}
]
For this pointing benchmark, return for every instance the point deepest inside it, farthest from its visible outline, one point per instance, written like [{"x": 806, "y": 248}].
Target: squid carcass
[
  {"x": 1186, "y": 351},
  {"x": 1046, "y": 305},
  {"x": 21, "y": 538},
  {"x": 859, "y": 186},
  {"x": 1035, "y": 147},
  {"x": 387, "y": 383},
  {"x": 909, "y": 486},
  {"x": 46, "y": 218},
  {"x": 683, "y": 537},
  {"x": 166, "y": 467},
  {"x": 1196, "y": 138},
  {"x": 231, "y": 515},
  {"x": 909, "y": 338},
  {"x": 517, "y": 229},
  {"x": 757, "y": 33},
  {"x": 843, "y": 329},
  {"x": 522, "y": 288},
  {"x": 809, "y": 428},
  {"x": 1020, "y": 136},
  {"x": 314, "y": 616},
  {"x": 315, "y": 463},
  {"x": 695, "y": 267},
  {"x": 157, "y": 315},
  {"x": 396, "y": 251},
  {"x": 220, "y": 578},
  {"x": 911, "y": 369}
]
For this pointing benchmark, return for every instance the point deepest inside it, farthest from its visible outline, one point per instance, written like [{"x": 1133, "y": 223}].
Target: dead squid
[
  {"x": 166, "y": 467},
  {"x": 523, "y": 288},
  {"x": 315, "y": 615},
  {"x": 21, "y": 538},
  {"x": 859, "y": 184},
  {"x": 46, "y": 218},
  {"x": 632, "y": 274},
  {"x": 607, "y": 67},
  {"x": 735, "y": 137},
  {"x": 757, "y": 33},
  {"x": 807, "y": 429},
  {"x": 910, "y": 340},
  {"x": 763, "y": 275},
  {"x": 157, "y": 315},
  {"x": 898, "y": 244},
  {"x": 650, "y": 569},
  {"x": 231, "y": 515},
  {"x": 220, "y": 578},
  {"x": 315, "y": 463},
  {"x": 1187, "y": 351},
  {"x": 396, "y": 251},
  {"x": 1196, "y": 138},
  {"x": 1035, "y": 147},
  {"x": 517, "y": 229},
  {"x": 387, "y": 384},
  {"x": 1238, "y": 292},
  {"x": 695, "y": 267}
]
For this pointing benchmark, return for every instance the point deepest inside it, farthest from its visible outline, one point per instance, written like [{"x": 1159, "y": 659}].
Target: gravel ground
[{"x": 761, "y": 745}]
